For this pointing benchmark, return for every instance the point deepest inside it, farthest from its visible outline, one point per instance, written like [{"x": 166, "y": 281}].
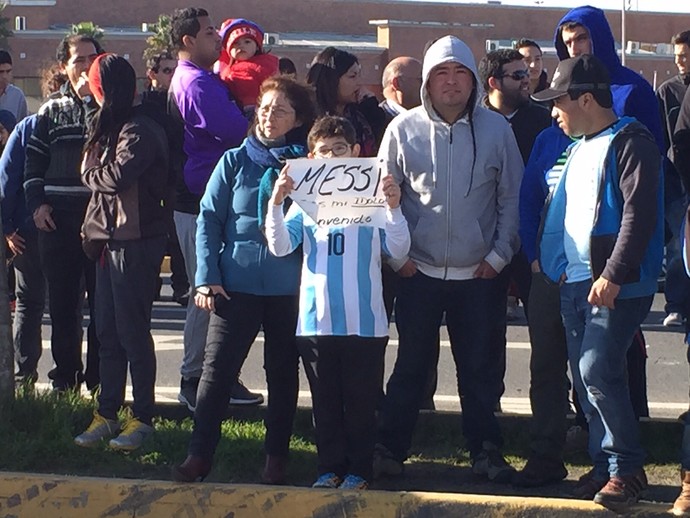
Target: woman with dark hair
[
  {"x": 336, "y": 77},
  {"x": 126, "y": 166},
  {"x": 243, "y": 285}
]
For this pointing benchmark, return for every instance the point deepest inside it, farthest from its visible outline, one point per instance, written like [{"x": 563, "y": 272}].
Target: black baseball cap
[{"x": 584, "y": 73}]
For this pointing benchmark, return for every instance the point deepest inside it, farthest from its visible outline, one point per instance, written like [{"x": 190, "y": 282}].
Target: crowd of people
[{"x": 497, "y": 184}]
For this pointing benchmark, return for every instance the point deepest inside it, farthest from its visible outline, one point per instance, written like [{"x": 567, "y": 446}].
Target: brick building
[{"x": 375, "y": 30}]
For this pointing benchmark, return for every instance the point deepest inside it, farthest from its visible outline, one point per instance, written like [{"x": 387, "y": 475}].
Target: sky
[{"x": 667, "y": 6}]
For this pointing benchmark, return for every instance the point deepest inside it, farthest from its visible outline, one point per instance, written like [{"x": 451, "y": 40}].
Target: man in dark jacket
[
  {"x": 670, "y": 96},
  {"x": 57, "y": 199}
]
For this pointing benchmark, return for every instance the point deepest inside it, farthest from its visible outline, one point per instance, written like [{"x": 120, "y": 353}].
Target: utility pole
[
  {"x": 6, "y": 347},
  {"x": 624, "y": 43}
]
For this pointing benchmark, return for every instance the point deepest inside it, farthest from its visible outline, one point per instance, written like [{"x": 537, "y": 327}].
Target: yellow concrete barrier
[{"x": 55, "y": 496}]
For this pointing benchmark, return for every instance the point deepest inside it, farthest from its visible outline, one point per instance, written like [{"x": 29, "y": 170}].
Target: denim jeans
[
  {"x": 196, "y": 322},
  {"x": 28, "y": 317},
  {"x": 598, "y": 339},
  {"x": 125, "y": 288},
  {"x": 475, "y": 312},
  {"x": 231, "y": 333}
]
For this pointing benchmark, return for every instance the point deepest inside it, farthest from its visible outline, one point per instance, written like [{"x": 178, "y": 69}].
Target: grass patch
[{"x": 37, "y": 431}]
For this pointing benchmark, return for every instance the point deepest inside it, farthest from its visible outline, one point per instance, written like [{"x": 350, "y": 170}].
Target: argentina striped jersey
[{"x": 340, "y": 291}]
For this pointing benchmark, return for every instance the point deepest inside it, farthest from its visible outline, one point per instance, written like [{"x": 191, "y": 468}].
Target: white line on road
[
  {"x": 165, "y": 344},
  {"x": 511, "y": 405}
]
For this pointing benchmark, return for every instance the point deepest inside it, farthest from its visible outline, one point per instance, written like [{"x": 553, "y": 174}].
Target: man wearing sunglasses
[
  {"x": 505, "y": 78},
  {"x": 159, "y": 71}
]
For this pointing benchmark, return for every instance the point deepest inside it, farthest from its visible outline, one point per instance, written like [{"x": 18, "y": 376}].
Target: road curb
[{"x": 33, "y": 495}]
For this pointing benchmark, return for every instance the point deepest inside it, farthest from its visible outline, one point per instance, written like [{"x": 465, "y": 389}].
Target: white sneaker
[{"x": 673, "y": 319}]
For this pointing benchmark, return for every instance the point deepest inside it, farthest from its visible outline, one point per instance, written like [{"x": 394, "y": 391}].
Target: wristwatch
[
  {"x": 87, "y": 99},
  {"x": 206, "y": 291}
]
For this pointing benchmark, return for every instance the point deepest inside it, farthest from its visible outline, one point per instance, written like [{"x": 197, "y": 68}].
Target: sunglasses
[{"x": 518, "y": 75}]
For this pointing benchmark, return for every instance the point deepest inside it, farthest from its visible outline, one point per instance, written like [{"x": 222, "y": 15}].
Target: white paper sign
[{"x": 339, "y": 191}]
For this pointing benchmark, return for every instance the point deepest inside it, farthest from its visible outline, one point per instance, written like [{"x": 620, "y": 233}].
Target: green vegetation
[
  {"x": 160, "y": 41},
  {"x": 5, "y": 30},
  {"x": 36, "y": 431},
  {"x": 88, "y": 29}
]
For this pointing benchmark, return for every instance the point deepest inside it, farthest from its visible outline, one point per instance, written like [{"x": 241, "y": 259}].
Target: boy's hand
[
  {"x": 391, "y": 191},
  {"x": 283, "y": 187}
]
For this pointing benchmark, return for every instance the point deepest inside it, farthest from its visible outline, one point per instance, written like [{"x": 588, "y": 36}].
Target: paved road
[{"x": 667, "y": 368}]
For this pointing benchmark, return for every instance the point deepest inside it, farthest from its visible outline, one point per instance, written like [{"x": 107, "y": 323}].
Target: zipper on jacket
[{"x": 449, "y": 190}]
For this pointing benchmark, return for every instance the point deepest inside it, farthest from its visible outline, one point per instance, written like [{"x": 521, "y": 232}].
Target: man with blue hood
[
  {"x": 585, "y": 30},
  {"x": 459, "y": 168}
]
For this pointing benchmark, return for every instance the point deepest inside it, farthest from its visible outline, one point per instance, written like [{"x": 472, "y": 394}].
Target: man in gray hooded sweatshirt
[{"x": 460, "y": 169}]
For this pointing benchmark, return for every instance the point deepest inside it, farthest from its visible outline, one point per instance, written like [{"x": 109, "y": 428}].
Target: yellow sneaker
[
  {"x": 99, "y": 429},
  {"x": 132, "y": 436}
]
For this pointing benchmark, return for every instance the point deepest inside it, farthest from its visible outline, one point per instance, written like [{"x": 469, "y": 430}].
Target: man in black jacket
[
  {"x": 670, "y": 96},
  {"x": 58, "y": 199}
]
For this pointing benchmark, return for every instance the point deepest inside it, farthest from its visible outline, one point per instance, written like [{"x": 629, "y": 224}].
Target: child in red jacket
[{"x": 243, "y": 63}]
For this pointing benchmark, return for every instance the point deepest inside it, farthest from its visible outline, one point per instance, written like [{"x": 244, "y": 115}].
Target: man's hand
[
  {"x": 408, "y": 269},
  {"x": 603, "y": 293},
  {"x": 82, "y": 87},
  {"x": 535, "y": 266},
  {"x": 391, "y": 191},
  {"x": 485, "y": 271},
  {"x": 15, "y": 243},
  {"x": 207, "y": 302},
  {"x": 42, "y": 218},
  {"x": 283, "y": 187}
]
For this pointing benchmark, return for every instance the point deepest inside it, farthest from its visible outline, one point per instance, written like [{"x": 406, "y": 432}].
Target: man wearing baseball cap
[{"x": 602, "y": 241}]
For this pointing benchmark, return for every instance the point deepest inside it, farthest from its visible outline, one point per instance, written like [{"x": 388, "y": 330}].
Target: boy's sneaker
[
  {"x": 99, "y": 429},
  {"x": 491, "y": 464},
  {"x": 241, "y": 395},
  {"x": 620, "y": 493},
  {"x": 385, "y": 463},
  {"x": 588, "y": 485},
  {"x": 187, "y": 395},
  {"x": 328, "y": 481},
  {"x": 354, "y": 483},
  {"x": 132, "y": 436}
]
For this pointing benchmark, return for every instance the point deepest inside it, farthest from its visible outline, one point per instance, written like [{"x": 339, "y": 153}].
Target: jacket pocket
[{"x": 246, "y": 254}]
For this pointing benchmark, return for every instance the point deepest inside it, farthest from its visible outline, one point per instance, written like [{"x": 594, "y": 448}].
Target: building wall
[{"x": 340, "y": 17}]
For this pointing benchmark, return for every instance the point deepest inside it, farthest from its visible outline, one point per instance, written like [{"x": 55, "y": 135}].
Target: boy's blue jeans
[{"x": 598, "y": 339}]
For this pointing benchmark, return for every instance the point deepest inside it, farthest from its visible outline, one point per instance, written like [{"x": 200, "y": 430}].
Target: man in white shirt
[{"x": 11, "y": 98}]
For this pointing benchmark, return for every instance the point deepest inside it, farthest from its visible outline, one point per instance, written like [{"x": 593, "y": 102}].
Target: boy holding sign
[{"x": 342, "y": 329}]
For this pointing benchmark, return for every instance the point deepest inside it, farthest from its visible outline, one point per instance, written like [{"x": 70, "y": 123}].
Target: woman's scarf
[{"x": 271, "y": 155}]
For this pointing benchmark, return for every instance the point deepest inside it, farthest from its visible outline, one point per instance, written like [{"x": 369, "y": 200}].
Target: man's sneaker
[
  {"x": 491, "y": 464},
  {"x": 589, "y": 485},
  {"x": 132, "y": 436},
  {"x": 681, "y": 507},
  {"x": 673, "y": 319},
  {"x": 187, "y": 395},
  {"x": 620, "y": 493},
  {"x": 241, "y": 395},
  {"x": 327, "y": 481},
  {"x": 99, "y": 429},
  {"x": 540, "y": 471},
  {"x": 385, "y": 463},
  {"x": 353, "y": 483},
  {"x": 576, "y": 440}
]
